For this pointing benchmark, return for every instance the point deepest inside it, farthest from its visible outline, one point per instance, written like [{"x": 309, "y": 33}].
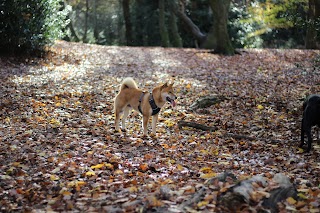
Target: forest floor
[{"x": 59, "y": 151}]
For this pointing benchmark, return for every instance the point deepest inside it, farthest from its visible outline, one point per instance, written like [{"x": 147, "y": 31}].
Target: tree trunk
[
  {"x": 192, "y": 28},
  {"x": 95, "y": 27},
  {"x": 218, "y": 38},
  {"x": 84, "y": 38},
  {"x": 174, "y": 35},
  {"x": 127, "y": 21},
  {"x": 162, "y": 25},
  {"x": 313, "y": 14},
  {"x": 70, "y": 26}
]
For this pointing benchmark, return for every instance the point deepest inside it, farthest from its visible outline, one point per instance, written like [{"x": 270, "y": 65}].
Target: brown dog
[{"x": 148, "y": 104}]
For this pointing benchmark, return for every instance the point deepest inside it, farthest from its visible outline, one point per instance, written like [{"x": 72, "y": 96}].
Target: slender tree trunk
[
  {"x": 192, "y": 28},
  {"x": 70, "y": 26},
  {"x": 95, "y": 28},
  {"x": 162, "y": 25},
  {"x": 218, "y": 38},
  {"x": 84, "y": 38},
  {"x": 127, "y": 21},
  {"x": 313, "y": 14},
  {"x": 174, "y": 35}
]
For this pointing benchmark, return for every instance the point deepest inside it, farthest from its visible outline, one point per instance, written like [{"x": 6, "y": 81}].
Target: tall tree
[
  {"x": 162, "y": 25},
  {"x": 175, "y": 37},
  {"x": 84, "y": 38},
  {"x": 95, "y": 22},
  {"x": 127, "y": 21},
  {"x": 313, "y": 16},
  {"x": 218, "y": 37}
]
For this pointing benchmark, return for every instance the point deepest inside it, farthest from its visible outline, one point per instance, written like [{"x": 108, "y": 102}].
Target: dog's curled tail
[{"x": 128, "y": 83}]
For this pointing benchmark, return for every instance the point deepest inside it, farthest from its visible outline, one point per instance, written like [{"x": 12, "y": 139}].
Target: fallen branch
[{"x": 196, "y": 126}]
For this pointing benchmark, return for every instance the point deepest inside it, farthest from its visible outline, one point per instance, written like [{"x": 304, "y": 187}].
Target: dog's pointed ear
[{"x": 164, "y": 85}]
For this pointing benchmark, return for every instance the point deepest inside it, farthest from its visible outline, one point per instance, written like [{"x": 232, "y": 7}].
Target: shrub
[{"x": 28, "y": 26}]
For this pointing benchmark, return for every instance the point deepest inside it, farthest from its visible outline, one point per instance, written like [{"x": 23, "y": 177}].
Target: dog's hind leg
[
  {"x": 126, "y": 112},
  {"x": 117, "y": 119}
]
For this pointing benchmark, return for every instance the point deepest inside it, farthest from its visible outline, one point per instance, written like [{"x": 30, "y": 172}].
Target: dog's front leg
[
  {"x": 145, "y": 120},
  {"x": 154, "y": 123},
  {"x": 302, "y": 133},
  {"x": 308, "y": 131}
]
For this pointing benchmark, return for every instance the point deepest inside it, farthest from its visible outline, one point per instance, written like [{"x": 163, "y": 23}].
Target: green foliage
[
  {"x": 241, "y": 31},
  {"x": 28, "y": 26},
  {"x": 280, "y": 23}
]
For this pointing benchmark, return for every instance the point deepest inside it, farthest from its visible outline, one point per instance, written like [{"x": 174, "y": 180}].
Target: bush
[{"x": 28, "y": 26}]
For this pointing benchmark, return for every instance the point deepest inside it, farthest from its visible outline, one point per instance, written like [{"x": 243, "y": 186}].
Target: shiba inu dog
[
  {"x": 311, "y": 117},
  {"x": 148, "y": 104}
]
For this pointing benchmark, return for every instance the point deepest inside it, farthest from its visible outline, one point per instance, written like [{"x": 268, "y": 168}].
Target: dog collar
[{"x": 154, "y": 107}]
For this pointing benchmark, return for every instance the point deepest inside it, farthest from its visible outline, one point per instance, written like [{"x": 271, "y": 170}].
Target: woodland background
[
  {"x": 257, "y": 60},
  {"x": 210, "y": 24}
]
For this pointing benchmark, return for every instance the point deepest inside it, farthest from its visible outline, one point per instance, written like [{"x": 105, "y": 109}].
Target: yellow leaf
[
  {"x": 90, "y": 173},
  {"x": 169, "y": 123},
  {"x": 16, "y": 164},
  {"x": 206, "y": 170},
  {"x": 118, "y": 172},
  {"x": 54, "y": 122},
  {"x": 133, "y": 189},
  {"x": 300, "y": 150},
  {"x": 260, "y": 107},
  {"x": 81, "y": 183},
  {"x": 188, "y": 86},
  {"x": 66, "y": 193},
  {"x": 179, "y": 167},
  {"x": 108, "y": 165},
  {"x": 303, "y": 196},
  {"x": 54, "y": 177},
  {"x": 202, "y": 203},
  {"x": 208, "y": 175},
  {"x": 58, "y": 104},
  {"x": 98, "y": 166},
  {"x": 7, "y": 120},
  {"x": 291, "y": 200},
  {"x": 167, "y": 112}
]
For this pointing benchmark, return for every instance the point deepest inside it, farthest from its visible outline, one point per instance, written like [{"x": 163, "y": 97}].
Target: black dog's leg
[
  {"x": 302, "y": 134},
  {"x": 308, "y": 131}
]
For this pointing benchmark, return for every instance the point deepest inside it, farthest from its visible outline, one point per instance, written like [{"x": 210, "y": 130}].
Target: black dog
[{"x": 311, "y": 117}]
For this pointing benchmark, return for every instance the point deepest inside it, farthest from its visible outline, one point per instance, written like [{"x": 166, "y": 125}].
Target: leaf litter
[{"x": 59, "y": 151}]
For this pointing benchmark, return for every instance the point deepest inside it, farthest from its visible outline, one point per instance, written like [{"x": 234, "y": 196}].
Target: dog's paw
[
  {"x": 153, "y": 135},
  {"x": 117, "y": 131}
]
